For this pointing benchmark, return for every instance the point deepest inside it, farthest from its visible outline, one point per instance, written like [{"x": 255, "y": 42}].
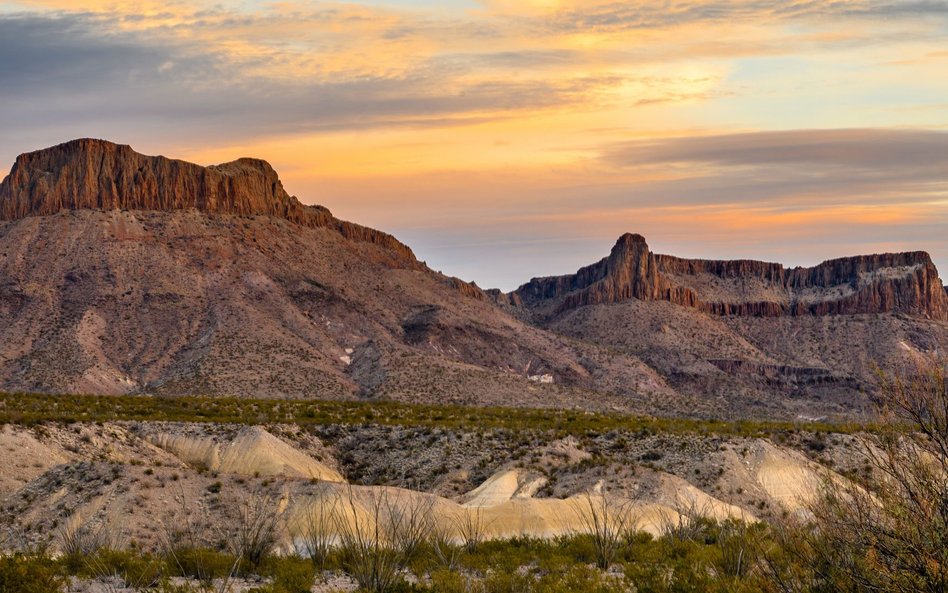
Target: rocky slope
[
  {"x": 143, "y": 479},
  {"x": 126, "y": 273},
  {"x": 748, "y": 330}
]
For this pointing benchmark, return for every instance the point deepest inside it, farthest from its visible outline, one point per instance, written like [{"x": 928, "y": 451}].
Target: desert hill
[
  {"x": 126, "y": 273},
  {"x": 136, "y": 477},
  {"x": 746, "y": 327}
]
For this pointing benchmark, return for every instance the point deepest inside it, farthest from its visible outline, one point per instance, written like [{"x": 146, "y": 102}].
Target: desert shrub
[
  {"x": 507, "y": 582},
  {"x": 256, "y": 530},
  {"x": 30, "y": 409},
  {"x": 290, "y": 574},
  {"x": 443, "y": 552},
  {"x": 167, "y": 586},
  {"x": 505, "y": 555},
  {"x": 136, "y": 570},
  {"x": 608, "y": 520},
  {"x": 79, "y": 541},
  {"x": 450, "y": 581},
  {"x": 738, "y": 547},
  {"x": 30, "y": 573},
  {"x": 577, "y": 547},
  {"x": 379, "y": 537},
  {"x": 201, "y": 563},
  {"x": 471, "y": 527},
  {"x": 580, "y": 577},
  {"x": 889, "y": 533},
  {"x": 317, "y": 529}
]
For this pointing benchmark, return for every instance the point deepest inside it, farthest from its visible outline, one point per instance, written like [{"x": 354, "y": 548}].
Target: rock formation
[
  {"x": 96, "y": 174},
  {"x": 890, "y": 282},
  {"x": 125, "y": 273}
]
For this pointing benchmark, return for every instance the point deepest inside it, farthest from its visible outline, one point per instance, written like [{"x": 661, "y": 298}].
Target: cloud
[
  {"x": 526, "y": 124},
  {"x": 797, "y": 197},
  {"x": 66, "y": 53},
  {"x": 81, "y": 74},
  {"x": 860, "y": 148},
  {"x": 864, "y": 165},
  {"x": 611, "y": 16}
]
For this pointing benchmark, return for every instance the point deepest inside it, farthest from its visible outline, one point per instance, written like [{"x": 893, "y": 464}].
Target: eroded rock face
[
  {"x": 883, "y": 283},
  {"x": 96, "y": 174}
]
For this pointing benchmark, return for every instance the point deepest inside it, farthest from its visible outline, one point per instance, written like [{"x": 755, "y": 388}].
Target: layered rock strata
[
  {"x": 882, "y": 283},
  {"x": 96, "y": 174}
]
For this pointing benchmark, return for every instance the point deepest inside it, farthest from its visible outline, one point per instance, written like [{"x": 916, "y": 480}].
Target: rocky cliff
[
  {"x": 891, "y": 282},
  {"x": 96, "y": 174}
]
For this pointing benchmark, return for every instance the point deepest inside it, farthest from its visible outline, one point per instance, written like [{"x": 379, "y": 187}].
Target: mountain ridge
[
  {"x": 905, "y": 282},
  {"x": 89, "y": 173},
  {"x": 124, "y": 273}
]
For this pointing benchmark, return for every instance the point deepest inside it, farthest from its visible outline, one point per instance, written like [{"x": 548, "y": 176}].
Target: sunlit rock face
[
  {"x": 884, "y": 283},
  {"x": 97, "y": 174}
]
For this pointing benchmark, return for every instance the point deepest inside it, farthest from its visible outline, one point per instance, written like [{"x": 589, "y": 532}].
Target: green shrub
[
  {"x": 135, "y": 569},
  {"x": 290, "y": 575},
  {"x": 200, "y": 563},
  {"x": 507, "y": 582},
  {"x": 580, "y": 577},
  {"x": 450, "y": 581},
  {"x": 30, "y": 409},
  {"x": 29, "y": 573}
]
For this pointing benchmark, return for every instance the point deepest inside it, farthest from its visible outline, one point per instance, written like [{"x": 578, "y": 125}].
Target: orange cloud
[{"x": 559, "y": 118}]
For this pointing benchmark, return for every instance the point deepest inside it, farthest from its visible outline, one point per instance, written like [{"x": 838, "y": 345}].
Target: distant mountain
[
  {"x": 126, "y": 273},
  {"x": 810, "y": 337},
  {"x": 887, "y": 283},
  {"x": 121, "y": 272}
]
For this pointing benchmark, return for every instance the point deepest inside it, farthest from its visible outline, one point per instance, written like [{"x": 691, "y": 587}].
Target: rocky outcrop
[
  {"x": 782, "y": 374},
  {"x": 468, "y": 289},
  {"x": 892, "y": 282},
  {"x": 503, "y": 299},
  {"x": 96, "y": 174}
]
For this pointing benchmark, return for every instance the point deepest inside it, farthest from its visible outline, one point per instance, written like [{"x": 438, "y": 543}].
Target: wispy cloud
[
  {"x": 523, "y": 123},
  {"x": 865, "y": 149}
]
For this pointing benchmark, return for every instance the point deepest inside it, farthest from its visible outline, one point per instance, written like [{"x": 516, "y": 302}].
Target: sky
[{"x": 507, "y": 139}]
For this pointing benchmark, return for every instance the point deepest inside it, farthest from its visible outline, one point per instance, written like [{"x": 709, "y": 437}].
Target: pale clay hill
[
  {"x": 125, "y": 273},
  {"x": 138, "y": 479}
]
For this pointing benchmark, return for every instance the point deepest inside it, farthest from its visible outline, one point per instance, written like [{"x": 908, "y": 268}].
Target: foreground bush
[
  {"x": 30, "y": 573},
  {"x": 138, "y": 571},
  {"x": 289, "y": 575}
]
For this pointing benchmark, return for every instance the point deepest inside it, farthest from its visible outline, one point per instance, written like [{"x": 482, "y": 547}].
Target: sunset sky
[{"x": 506, "y": 139}]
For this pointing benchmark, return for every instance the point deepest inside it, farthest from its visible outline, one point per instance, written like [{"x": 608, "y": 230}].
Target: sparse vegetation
[
  {"x": 519, "y": 565},
  {"x": 887, "y": 531},
  {"x": 609, "y": 521},
  {"x": 31, "y": 573},
  {"x": 32, "y": 409}
]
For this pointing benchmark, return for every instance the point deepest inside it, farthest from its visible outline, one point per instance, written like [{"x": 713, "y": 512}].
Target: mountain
[
  {"x": 874, "y": 284},
  {"x": 126, "y": 273},
  {"x": 754, "y": 330}
]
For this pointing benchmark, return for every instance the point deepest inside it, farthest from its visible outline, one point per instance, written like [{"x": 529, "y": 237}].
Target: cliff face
[
  {"x": 892, "y": 282},
  {"x": 96, "y": 174},
  {"x": 630, "y": 271}
]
